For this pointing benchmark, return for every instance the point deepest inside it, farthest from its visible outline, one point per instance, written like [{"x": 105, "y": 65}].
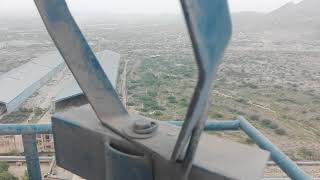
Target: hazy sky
[{"x": 138, "y": 6}]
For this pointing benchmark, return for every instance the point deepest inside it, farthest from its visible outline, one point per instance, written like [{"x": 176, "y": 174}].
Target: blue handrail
[
  {"x": 29, "y": 131},
  {"x": 282, "y": 160},
  {"x": 20, "y": 129}
]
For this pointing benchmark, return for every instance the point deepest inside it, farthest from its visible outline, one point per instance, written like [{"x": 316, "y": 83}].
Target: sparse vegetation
[
  {"x": 4, "y": 166},
  {"x": 269, "y": 124},
  {"x": 266, "y": 122},
  {"x": 184, "y": 103},
  {"x": 38, "y": 111},
  {"x": 241, "y": 100},
  {"x": 16, "y": 117},
  {"x": 280, "y": 131},
  {"x": 172, "y": 99},
  {"x": 158, "y": 113},
  {"x": 255, "y": 117},
  {"x": 249, "y": 141},
  {"x": 263, "y": 77},
  {"x": 130, "y": 103},
  {"x": 4, "y": 174},
  {"x": 216, "y": 116},
  {"x": 26, "y": 176},
  {"x": 308, "y": 154},
  {"x": 152, "y": 93}
]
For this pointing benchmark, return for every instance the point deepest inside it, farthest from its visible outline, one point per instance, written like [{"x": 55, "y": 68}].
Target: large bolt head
[
  {"x": 141, "y": 124},
  {"x": 141, "y": 128}
]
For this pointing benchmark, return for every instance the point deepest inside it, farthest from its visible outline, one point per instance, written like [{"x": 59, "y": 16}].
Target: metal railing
[
  {"x": 283, "y": 161},
  {"x": 29, "y": 131}
]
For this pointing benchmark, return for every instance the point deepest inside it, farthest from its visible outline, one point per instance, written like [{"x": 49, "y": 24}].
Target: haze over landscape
[
  {"x": 270, "y": 73},
  {"x": 140, "y": 6}
]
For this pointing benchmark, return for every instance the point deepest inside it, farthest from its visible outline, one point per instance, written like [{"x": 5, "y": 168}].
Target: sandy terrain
[{"x": 19, "y": 169}]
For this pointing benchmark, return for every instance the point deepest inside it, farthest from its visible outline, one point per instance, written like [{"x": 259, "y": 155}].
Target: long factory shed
[
  {"x": 20, "y": 83},
  {"x": 72, "y": 95}
]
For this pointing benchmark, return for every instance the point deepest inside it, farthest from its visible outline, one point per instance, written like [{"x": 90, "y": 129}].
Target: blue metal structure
[
  {"x": 209, "y": 26},
  {"x": 283, "y": 161},
  {"x": 20, "y": 129},
  {"x": 97, "y": 143},
  {"x": 28, "y": 131}
]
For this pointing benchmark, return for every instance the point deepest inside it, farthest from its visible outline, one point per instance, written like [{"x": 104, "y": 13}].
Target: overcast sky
[{"x": 138, "y": 6}]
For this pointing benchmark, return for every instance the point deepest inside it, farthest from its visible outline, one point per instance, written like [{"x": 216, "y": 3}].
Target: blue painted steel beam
[
  {"x": 32, "y": 157},
  {"x": 283, "y": 161},
  {"x": 19, "y": 129},
  {"x": 215, "y": 125},
  {"x": 28, "y": 132},
  {"x": 286, "y": 164}
]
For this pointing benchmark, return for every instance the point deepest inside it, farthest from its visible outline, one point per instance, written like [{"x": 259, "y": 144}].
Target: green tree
[
  {"x": 7, "y": 176},
  {"x": 4, "y": 174},
  {"x": 172, "y": 99},
  {"x": 4, "y": 167},
  {"x": 280, "y": 131},
  {"x": 26, "y": 176}
]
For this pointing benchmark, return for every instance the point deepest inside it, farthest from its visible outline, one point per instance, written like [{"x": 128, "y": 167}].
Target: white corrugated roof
[
  {"x": 19, "y": 79},
  {"x": 109, "y": 62}
]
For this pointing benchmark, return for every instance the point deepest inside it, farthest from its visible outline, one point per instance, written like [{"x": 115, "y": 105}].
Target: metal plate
[{"x": 216, "y": 158}]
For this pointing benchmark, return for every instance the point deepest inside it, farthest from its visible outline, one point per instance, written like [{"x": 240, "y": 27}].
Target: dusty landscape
[{"x": 270, "y": 76}]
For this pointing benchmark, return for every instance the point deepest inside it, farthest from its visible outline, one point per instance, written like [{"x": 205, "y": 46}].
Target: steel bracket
[
  {"x": 173, "y": 151},
  {"x": 82, "y": 146}
]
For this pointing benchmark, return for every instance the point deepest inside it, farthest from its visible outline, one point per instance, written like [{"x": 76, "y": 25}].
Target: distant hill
[
  {"x": 304, "y": 9},
  {"x": 305, "y": 14},
  {"x": 291, "y": 17}
]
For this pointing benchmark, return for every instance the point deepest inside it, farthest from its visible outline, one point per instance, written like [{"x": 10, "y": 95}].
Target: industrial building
[
  {"x": 20, "y": 83},
  {"x": 72, "y": 95}
]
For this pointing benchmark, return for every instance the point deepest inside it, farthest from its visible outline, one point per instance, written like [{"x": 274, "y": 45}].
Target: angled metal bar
[
  {"x": 210, "y": 30},
  {"x": 92, "y": 80},
  {"x": 216, "y": 158},
  {"x": 288, "y": 166},
  {"x": 282, "y": 160},
  {"x": 209, "y": 27},
  {"x": 80, "y": 59}
]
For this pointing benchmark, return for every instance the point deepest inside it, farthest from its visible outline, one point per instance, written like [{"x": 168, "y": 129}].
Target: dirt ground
[
  {"x": 276, "y": 172},
  {"x": 19, "y": 169},
  {"x": 43, "y": 97}
]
